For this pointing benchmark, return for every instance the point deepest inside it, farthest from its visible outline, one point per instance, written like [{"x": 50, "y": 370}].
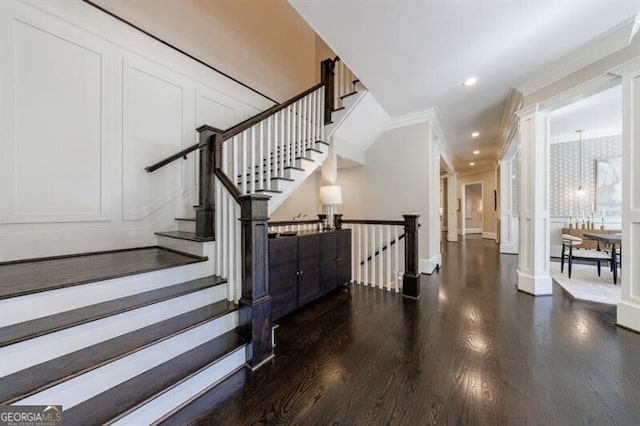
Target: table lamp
[{"x": 330, "y": 196}]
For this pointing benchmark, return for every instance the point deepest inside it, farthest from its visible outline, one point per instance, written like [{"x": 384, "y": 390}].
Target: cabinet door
[
  {"x": 283, "y": 280},
  {"x": 344, "y": 256},
  {"x": 309, "y": 268},
  {"x": 328, "y": 255}
]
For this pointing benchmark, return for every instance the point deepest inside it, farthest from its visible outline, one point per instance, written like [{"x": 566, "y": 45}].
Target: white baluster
[
  {"x": 366, "y": 251},
  {"x": 388, "y": 259},
  {"x": 299, "y": 141},
  {"x": 218, "y": 223},
  {"x": 282, "y": 143},
  {"x": 312, "y": 120},
  {"x": 374, "y": 241},
  {"x": 381, "y": 243},
  {"x": 243, "y": 162},
  {"x": 353, "y": 253},
  {"x": 322, "y": 114},
  {"x": 261, "y": 158},
  {"x": 359, "y": 253},
  {"x": 234, "y": 161},
  {"x": 396, "y": 268},
  {"x": 252, "y": 161}
]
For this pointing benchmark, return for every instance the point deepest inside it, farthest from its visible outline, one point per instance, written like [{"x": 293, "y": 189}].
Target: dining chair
[{"x": 571, "y": 250}]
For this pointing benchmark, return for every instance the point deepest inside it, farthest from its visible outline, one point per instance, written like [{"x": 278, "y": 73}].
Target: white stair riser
[
  {"x": 177, "y": 397},
  {"x": 186, "y": 246},
  {"x": 92, "y": 383},
  {"x": 186, "y": 225},
  {"x": 24, "y": 308},
  {"x": 25, "y": 354}
]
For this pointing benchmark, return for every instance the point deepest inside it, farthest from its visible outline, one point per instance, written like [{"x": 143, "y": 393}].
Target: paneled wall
[{"x": 87, "y": 102}]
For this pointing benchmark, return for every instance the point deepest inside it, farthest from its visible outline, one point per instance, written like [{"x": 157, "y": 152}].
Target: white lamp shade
[{"x": 330, "y": 195}]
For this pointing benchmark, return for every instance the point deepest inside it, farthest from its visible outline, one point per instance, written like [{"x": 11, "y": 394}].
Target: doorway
[{"x": 472, "y": 209}]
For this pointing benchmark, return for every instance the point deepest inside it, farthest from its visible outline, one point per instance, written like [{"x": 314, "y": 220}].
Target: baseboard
[
  {"x": 540, "y": 285},
  {"x": 490, "y": 235},
  {"x": 452, "y": 237},
  {"x": 473, "y": 231},
  {"x": 629, "y": 315},
  {"x": 427, "y": 266}
]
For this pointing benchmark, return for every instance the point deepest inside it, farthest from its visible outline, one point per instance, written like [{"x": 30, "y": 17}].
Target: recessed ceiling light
[
  {"x": 475, "y": 134},
  {"x": 476, "y": 152},
  {"x": 472, "y": 164},
  {"x": 470, "y": 81}
]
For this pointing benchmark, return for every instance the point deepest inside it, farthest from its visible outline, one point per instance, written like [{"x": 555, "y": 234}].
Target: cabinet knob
[
  {"x": 301, "y": 272},
  {"x": 338, "y": 259}
]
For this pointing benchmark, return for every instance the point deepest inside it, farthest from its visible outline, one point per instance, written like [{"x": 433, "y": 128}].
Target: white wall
[
  {"x": 393, "y": 182},
  {"x": 303, "y": 200},
  {"x": 87, "y": 102}
]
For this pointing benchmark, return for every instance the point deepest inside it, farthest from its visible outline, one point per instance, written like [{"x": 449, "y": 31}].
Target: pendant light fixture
[{"x": 580, "y": 190}]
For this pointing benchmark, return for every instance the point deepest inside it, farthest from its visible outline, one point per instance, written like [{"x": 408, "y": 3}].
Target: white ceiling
[
  {"x": 597, "y": 115},
  {"x": 415, "y": 54}
]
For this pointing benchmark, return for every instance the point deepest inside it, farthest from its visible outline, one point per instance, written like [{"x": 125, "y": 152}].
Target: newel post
[
  {"x": 205, "y": 212},
  {"x": 326, "y": 75},
  {"x": 255, "y": 304},
  {"x": 411, "y": 277}
]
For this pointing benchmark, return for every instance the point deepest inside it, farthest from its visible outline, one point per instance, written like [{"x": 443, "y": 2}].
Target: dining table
[{"x": 613, "y": 239}]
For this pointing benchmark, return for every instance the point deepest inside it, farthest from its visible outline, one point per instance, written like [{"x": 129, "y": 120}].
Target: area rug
[{"x": 585, "y": 284}]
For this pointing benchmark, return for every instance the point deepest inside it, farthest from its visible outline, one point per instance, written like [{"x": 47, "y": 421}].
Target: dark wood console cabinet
[{"x": 307, "y": 266}]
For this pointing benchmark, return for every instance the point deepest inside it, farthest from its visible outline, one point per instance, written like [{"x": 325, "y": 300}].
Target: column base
[
  {"x": 411, "y": 285},
  {"x": 629, "y": 315},
  {"x": 427, "y": 266},
  {"x": 540, "y": 285},
  {"x": 452, "y": 237}
]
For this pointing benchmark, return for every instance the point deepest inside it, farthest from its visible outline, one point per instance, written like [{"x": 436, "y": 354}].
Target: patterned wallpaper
[{"x": 565, "y": 174}]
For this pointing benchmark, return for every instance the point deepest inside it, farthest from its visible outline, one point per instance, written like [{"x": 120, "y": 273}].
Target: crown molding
[
  {"x": 605, "y": 44},
  {"x": 509, "y": 123},
  {"x": 409, "y": 119},
  {"x": 628, "y": 68}
]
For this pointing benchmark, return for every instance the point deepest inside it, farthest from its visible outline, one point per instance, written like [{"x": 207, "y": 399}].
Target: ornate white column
[
  {"x": 629, "y": 306},
  {"x": 452, "y": 207},
  {"x": 533, "y": 261}
]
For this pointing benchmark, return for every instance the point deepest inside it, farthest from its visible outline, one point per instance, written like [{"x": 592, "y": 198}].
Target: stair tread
[
  {"x": 182, "y": 235},
  {"x": 44, "y": 375},
  {"x": 188, "y": 219},
  {"x": 29, "y": 329},
  {"x": 130, "y": 394},
  {"x": 348, "y": 94},
  {"x": 269, "y": 191},
  {"x": 37, "y": 275}
]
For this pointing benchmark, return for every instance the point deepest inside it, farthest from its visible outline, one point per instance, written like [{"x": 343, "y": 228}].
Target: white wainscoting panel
[
  {"x": 86, "y": 102},
  {"x": 54, "y": 114},
  {"x": 152, "y": 130}
]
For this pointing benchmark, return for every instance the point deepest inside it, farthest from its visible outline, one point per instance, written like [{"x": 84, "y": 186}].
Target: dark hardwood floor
[{"x": 472, "y": 350}]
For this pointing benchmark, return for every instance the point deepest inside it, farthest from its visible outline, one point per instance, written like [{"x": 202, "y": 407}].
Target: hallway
[{"x": 472, "y": 350}]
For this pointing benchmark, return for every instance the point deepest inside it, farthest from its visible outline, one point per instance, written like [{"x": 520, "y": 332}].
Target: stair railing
[
  {"x": 236, "y": 168},
  {"x": 378, "y": 260}
]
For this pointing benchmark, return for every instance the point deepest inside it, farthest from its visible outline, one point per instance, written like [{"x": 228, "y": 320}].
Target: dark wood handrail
[
  {"x": 171, "y": 158},
  {"x": 180, "y": 154},
  {"x": 373, "y": 222},
  {"x": 233, "y": 190},
  {"x": 251, "y": 121},
  {"x": 293, "y": 222}
]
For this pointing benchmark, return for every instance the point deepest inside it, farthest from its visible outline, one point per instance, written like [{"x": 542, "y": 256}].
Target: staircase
[{"x": 130, "y": 336}]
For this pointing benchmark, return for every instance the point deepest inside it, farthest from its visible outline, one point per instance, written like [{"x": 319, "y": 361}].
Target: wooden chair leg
[
  {"x": 570, "y": 259},
  {"x": 562, "y": 260},
  {"x": 598, "y": 268}
]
